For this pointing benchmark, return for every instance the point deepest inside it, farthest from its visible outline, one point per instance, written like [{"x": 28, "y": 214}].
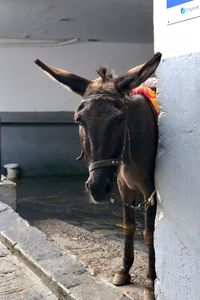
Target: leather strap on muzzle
[{"x": 104, "y": 163}]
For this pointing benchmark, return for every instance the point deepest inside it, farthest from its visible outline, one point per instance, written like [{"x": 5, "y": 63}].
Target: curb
[
  {"x": 8, "y": 192},
  {"x": 59, "y": 270}
]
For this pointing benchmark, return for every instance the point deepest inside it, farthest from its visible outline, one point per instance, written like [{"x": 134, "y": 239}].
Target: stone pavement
[
  {"x": 59, "y": 270},
  {"x": 17, "y": 282}
]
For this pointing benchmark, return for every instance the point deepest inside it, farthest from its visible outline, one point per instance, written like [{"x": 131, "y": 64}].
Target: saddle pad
[{"x": 149, "y": 94}]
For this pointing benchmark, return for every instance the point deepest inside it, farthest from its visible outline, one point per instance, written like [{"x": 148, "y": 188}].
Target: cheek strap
[{"x": 80, "y": 156}]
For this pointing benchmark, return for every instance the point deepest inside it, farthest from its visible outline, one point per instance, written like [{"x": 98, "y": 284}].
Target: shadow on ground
[{"x": 64, "y": 198}]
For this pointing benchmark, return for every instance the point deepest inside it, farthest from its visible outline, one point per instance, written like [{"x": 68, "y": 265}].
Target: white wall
[
  {"x": 176, "y": 39},
  {"x": 177, "y": 235},
  {"x": 25, "y": 88}
]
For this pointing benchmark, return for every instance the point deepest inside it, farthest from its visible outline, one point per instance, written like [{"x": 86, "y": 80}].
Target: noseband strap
[{"x": 104, "y": 163}]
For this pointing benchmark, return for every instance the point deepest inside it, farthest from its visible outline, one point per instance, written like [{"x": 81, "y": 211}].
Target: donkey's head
[{"x": 101, "y": 116}]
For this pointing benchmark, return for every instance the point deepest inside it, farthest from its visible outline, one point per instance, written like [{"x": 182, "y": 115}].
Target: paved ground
[
  {"x": 65, "y": 199},
  {"x": 93, "y": 233},
  {"x": 17, "y": 282},
  {"x": 102, "y": 256},
  {"x": 56, "y": 267}
]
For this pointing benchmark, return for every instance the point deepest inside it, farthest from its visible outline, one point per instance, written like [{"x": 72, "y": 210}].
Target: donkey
[{"x": 118, "y": 137}]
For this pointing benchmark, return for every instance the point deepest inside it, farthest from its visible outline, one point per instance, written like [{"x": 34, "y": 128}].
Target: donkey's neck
[{"x": 126, "y": 154}]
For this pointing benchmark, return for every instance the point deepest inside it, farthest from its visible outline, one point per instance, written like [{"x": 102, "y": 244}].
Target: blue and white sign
[
  {"x": 172, "y": 3},
  {"x": 182, "y": 10}
]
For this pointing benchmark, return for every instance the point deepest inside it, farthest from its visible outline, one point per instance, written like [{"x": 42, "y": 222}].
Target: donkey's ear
[
  {"x": 137, "y": 75},
  {"x": 75, "y": 83}
]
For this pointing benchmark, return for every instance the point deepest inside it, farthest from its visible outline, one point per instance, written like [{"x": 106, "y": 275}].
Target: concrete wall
[
  {"x": 37, "y": 113},
  {"x": 41, "y": 143},
  {"x": 177, "y": 236}
]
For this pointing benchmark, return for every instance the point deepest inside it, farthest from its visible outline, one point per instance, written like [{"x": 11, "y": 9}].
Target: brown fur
[{"x": 105, "y": 82}]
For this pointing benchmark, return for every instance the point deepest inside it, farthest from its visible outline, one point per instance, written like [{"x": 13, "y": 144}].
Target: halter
[{"x": 115, "y": 162}]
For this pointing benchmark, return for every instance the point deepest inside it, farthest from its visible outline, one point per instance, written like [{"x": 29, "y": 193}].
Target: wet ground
[
  {"x": 93, "y": 233},
  {"x": 65, "y": 199}
]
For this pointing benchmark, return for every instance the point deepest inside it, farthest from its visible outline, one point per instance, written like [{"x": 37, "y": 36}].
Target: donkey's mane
[{"x": 105, "y": 73}]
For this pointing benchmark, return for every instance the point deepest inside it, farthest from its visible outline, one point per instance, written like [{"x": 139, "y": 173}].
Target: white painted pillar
[{"x": 177, "y": 235}]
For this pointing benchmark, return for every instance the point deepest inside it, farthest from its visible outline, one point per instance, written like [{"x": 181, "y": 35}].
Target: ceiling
[{"x": 125, "y": 21}]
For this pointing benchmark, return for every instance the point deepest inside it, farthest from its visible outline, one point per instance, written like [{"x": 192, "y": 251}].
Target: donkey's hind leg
[{"x": 128, "y": 196}]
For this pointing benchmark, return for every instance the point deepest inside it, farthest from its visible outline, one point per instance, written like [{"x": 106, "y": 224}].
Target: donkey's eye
[
  {"x": 81, "y": 106},
  {"x": 78, "y": 119}
]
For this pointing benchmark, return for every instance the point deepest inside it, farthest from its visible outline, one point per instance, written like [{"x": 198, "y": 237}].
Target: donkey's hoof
[
  {"x": 149, "y": 284},
  {"x": 121, "y": 278}
]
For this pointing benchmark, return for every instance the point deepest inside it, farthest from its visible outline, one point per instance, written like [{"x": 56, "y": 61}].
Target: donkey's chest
[{"x": 133, "y": 175}]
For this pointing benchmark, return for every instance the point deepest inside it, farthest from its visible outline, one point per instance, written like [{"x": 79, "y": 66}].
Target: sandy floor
[
  {"x": 102, "y": 256},
  {"x": 60, "y": 208}
]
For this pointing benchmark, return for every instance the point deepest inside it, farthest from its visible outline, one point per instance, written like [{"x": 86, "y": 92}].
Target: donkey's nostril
[
  {"x": 100, "y": 189},
  {"x": 87, "y": 185}
]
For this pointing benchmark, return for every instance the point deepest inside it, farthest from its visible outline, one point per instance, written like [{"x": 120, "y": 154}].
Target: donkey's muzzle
[{"x": 100, "y": 190}]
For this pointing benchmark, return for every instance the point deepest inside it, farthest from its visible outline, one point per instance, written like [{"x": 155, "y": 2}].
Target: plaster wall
[
  {"x": 175, "y": 39},
  {"x": 177, "y": 234}
]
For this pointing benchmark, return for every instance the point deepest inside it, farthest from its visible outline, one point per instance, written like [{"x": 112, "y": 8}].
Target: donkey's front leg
[
  {"x": 122, "y": 276},
  {"x": 150, "y": 215}
]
